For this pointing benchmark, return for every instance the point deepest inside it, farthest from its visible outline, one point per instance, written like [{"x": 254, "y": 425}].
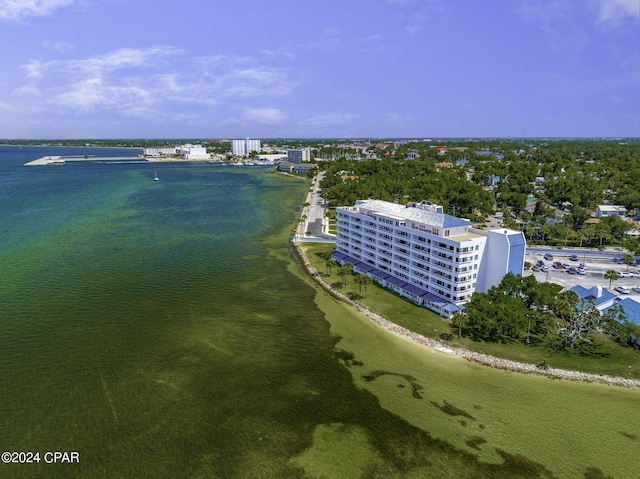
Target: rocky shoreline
[{"x": 473, "y": 356}]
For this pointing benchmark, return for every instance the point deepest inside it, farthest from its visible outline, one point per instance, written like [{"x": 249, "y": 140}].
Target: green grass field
[
  {"x": 603, "y": 357},
  {"x": 481, "y": 422}
]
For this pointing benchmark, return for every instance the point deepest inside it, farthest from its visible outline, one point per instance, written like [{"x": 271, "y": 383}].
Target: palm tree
[
  {"x": 629, "y": 259},
  {"x": 363, "y": 280},
  {"x": 366, "y": 279},
  {"x": 611, "y": 275},
  {"x": 345, "y": 270},
  {"x": 331, "y": 263}
]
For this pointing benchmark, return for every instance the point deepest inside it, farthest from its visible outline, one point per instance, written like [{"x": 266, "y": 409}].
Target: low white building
[
  {"x": 194, "y": 152},
  {"x": 272, "y": 158},
  {"x": 161, "y": 151},
  {"x": 434, "y": 259},
  {"x": 609, "y": 210}
]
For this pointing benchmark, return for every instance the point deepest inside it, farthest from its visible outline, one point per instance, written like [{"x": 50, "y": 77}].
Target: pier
[{"x": 61, "y": 160}]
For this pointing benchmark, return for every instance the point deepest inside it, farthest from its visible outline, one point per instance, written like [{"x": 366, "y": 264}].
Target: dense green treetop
[{"x": 567, "y": 179}]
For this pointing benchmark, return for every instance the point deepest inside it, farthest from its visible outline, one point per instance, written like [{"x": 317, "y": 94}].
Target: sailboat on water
[{"x": 155, "y": 177}]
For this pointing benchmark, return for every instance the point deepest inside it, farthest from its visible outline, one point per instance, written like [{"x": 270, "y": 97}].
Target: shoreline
[
  {"x": 472, "y": 356},
  {"x": 59, "y": 160}
]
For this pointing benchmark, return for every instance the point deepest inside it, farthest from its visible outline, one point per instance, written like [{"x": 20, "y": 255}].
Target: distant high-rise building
[
  {"x": 299, "y": 155},
  {"x": 244, "y": 147}
]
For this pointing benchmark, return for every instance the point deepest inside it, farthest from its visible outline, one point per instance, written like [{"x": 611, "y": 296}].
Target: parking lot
[{"x": 593, "y": 272}]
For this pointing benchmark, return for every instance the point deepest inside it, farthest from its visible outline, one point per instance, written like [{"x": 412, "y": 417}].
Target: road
[
  {"x": 314, "y": 222},
  {"x": 608, "y": 253}
]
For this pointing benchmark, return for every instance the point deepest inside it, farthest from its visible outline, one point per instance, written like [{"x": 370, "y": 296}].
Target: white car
[{"x": 625, "y": 274}]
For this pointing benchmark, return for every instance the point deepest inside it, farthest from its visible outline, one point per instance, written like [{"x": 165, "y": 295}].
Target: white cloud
[
  {"x": 614, "y": 12},
  {"x": 546, "y": 13},
  {"x": 268, "y": 116},
  {"x": 370, "y": 38},
  {"x": 330, "y": 39},
  {"x": 289, "y": 55},
  {"x": 423, "y": 11},
  {"x": 144, "y": 82},
  {"x": 328, "y": 120},
  {"x": 556, "y": 20},
  {"x": 60, "y": 47},
  {"x": 413, "y": 28},
  {"x": 7, "y": 108},
  {"x": 17, "y": 10}
]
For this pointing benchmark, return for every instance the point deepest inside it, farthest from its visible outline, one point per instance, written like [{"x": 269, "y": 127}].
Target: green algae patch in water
[
  {"x": 339, "y": 451},
  {"x": 513, "y": 425}
]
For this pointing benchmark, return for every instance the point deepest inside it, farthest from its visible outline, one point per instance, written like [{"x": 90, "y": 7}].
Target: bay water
[{"x": 164, "y": 329}]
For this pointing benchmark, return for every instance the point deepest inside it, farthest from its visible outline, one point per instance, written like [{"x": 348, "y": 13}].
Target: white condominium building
[
  {"x": 434, "y": 259},
  {"x": 160, "y": 151},
  {"x": 244, "y": 147}
]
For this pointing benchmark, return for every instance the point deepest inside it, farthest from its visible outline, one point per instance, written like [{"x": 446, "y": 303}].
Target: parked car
[
  {"x": 558, "y": 265},
  {"x": 625, "y": 274},
  {"x": 548, "y": 257},
  {"x": 583, "y": 266},
  {"x": 566, "y": 265},
  {"x": 572, "y": 271},
  {"x": 581, "y": 271},
  {"x": 622, "y": 289},
  {"x": 540, "y": 263},
  {"x": 574, "y": 257},
  {"x": 636, "y": 289},
  {"x": 544, "y": 269},
  {"x": 536, "y": 268}
]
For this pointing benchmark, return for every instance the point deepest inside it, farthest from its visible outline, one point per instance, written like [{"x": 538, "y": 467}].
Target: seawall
[{"x": 473, "y": 356}]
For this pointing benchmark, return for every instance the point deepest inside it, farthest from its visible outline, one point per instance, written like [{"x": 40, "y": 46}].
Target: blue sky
[{"x": 287, "y": 68}]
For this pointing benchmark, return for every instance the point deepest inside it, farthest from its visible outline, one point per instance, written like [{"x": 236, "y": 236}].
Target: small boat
[{"x": 155, "y": 178}]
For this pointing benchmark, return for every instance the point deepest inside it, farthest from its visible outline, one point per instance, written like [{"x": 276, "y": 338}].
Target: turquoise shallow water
[{"x": 143, "y": 323}]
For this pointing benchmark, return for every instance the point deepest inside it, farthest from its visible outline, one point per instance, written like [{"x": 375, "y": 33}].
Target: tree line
[
  {"x": 521, "y": 308},
  {"x": 546, "y": 188}
]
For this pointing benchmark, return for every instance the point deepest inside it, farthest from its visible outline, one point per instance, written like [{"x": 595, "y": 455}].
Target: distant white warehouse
[
  {"x": 188, "y": 152},
  {"x": 161, "y": 151},
  {"x": 194, "y": 152},
  {"x": 434, "y": 259}
]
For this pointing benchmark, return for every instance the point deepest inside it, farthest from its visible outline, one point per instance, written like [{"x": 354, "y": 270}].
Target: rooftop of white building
[{"x": 416, "y": 214}]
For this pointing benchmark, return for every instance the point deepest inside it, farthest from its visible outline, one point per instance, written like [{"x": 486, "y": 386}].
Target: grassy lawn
[
  {"x": 479, "y": 421},
  {"x": 604, "y": 356}
]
